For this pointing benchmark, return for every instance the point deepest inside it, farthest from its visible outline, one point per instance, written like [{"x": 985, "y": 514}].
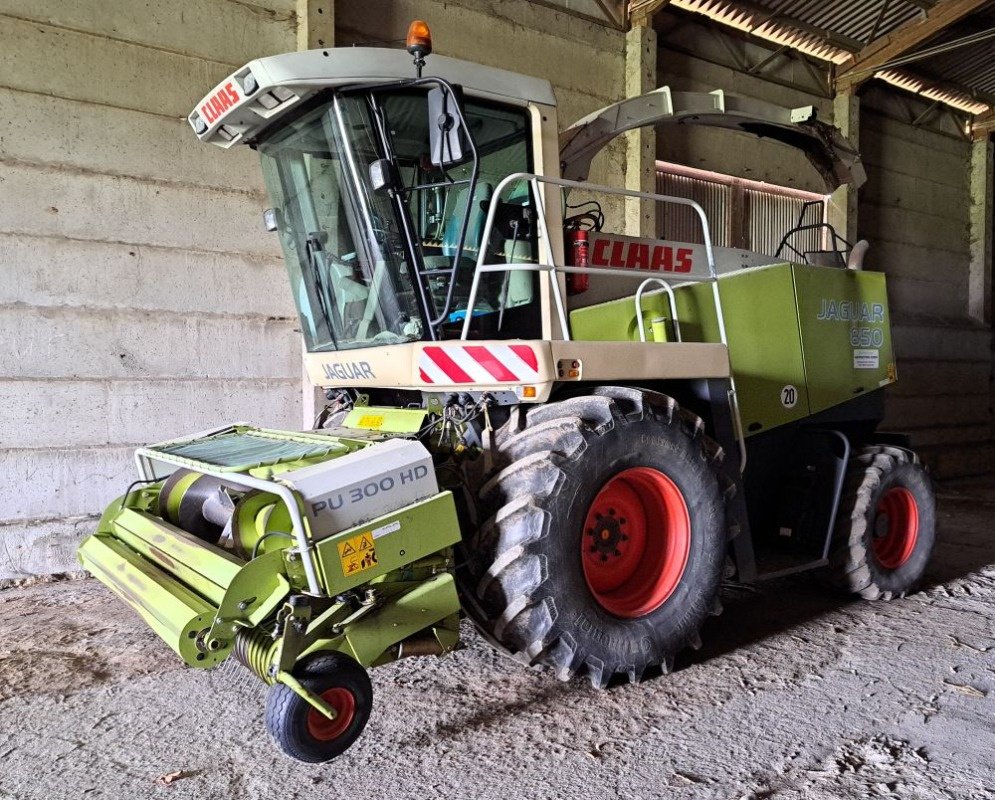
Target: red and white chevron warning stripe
[{"x": 493, "y": 363}]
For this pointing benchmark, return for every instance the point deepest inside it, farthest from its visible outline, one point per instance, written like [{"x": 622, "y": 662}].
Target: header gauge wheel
[
  {"x": 304, "y": 733},
  {"x": 606, "y": 538}
]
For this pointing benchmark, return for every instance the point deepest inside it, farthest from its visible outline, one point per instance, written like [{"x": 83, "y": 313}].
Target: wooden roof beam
[
  {"x": 862, "y": 66},
  {"x": 641, "y": 11},
  {"x": 983, "y": 125}
]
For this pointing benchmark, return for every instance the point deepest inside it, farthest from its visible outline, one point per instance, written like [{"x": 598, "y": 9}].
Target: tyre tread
[
  {"x": 849, "y": 556},
  {"x": 533, "y": 463}
]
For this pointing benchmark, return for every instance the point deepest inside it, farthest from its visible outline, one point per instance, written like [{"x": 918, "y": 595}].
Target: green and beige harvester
[{"x": 569, "y": 435}]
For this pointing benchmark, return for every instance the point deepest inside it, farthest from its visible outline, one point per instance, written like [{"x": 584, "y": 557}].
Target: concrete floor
[{"x": 796, "y": 694}]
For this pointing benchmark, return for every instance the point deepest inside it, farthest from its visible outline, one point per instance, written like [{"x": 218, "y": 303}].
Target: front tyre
[
  {"x": 607, "y": 536},
  {"x": 305, "y": 734},
  {"x": 885, "y": 526}
]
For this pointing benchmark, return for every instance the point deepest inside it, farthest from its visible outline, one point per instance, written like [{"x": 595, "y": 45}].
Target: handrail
[
  {"x": 673, "y": 307},
  {"x": 548, "y": 266}
]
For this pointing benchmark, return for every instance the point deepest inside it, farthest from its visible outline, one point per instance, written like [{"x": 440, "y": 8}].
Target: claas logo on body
[{"x": 621, "y": 254}]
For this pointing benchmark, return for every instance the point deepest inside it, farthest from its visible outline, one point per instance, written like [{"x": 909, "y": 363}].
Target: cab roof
[{"x": 252, "y": 98}]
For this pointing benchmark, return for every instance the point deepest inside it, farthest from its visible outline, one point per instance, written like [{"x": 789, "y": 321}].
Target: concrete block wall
[
  {"x": 139, "y": 297},
  {"x": 717, "y": 150},
  {"x": 584, "y": 61},
  {"x": 915, "y": 210}
]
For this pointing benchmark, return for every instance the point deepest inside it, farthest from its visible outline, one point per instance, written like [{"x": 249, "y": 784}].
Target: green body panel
[
  {"x": 408, "y": 608},
  {"x": 765, "y": 348},
  {"x": 801, "y": 338},
  {"x": 197, "y": 596},
  {"x": 413, "y": 532},
  {"x": 615, "y": 321},
  {"x": 173, "y": 611},
  {"x": 418, "y": 603},
  {"x": 203, "y": 567},
  {"x": 254, "y": 593},
  {"x": 847, "y": 346}
]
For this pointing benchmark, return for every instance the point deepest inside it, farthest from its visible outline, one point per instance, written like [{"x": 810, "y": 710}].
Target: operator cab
[
  {"x": 381, "y": 221},
  {"x": 381, "y": 180}
]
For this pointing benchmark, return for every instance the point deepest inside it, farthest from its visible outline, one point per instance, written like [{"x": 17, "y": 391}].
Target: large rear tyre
[
  {"x": 885, "y": 526},
  {"x": 301, "y": 731},
  {"x": 606, "y": 536}
]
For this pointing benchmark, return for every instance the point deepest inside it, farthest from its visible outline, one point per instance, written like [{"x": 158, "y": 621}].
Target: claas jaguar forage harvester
[{"x": 569, "y": 435}]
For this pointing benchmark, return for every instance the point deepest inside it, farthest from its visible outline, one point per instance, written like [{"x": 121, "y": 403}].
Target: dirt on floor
[{"x": 796, "y": 694}]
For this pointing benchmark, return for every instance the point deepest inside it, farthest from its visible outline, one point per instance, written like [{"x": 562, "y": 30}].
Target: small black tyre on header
[
  {"x": 305, "y": 734},
  {"x": 885, "y": 526},
  {"x": 604, "y": 535}
]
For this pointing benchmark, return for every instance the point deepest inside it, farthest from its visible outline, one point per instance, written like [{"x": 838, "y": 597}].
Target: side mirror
[{"x": 445, "y": 130}]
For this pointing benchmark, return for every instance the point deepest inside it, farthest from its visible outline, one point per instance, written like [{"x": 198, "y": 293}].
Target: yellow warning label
[
  {"x": 371, "y": 421},
  {"x": 357, "y": 554}
]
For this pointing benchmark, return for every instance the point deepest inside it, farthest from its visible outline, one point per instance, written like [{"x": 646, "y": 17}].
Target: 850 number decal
[{"x": 866, "y": 337}]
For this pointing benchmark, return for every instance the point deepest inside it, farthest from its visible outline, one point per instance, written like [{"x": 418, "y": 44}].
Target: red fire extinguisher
[{"x": 577, "y": 256}]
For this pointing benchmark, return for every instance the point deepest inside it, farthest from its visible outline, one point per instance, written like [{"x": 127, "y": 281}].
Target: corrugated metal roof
[
  {"x": 856, "y": 20},
  {"x": 972, "y": 65},
  {"x": 833, "y": 30},
  {"x": 828, "y": 29},
  {"x": 927, "y": 88},
  {"x": 763, "y": 21}
]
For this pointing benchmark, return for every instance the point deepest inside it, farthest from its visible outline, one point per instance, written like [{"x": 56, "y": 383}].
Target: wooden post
[
  {"x": 641, "y": 11},
  {"x": 901, "y": 41},
  {"x": 983, "y": 125},
  {"x": 315, "y": 30},
  {"x": 640, "y": 158},
  {"x": 843, "y": 202},
  {"x": 980, "y": 280}
]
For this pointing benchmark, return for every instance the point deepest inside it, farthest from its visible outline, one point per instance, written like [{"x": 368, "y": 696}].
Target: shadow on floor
[
  {"x": 752, "y": 614},
  {"x": 965, "y": 544}
]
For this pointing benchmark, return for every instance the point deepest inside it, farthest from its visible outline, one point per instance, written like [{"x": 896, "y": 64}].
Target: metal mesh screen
[
  {"x": 244, "y": 449},
  {"x": 680, "y": 223},
  {"x": 745, "y": 214},
  {"x": 769, "y": 216}
]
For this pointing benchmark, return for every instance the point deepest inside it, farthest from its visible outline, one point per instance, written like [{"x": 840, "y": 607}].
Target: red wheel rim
[
  {"x": 324, "y": 729},
  {"x": 896, "y": 527},
  {"x": 635, "y": 542}
]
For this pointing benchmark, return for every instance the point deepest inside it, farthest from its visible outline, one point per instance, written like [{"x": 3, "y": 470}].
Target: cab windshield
[{"x": 381, "y": 245}]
